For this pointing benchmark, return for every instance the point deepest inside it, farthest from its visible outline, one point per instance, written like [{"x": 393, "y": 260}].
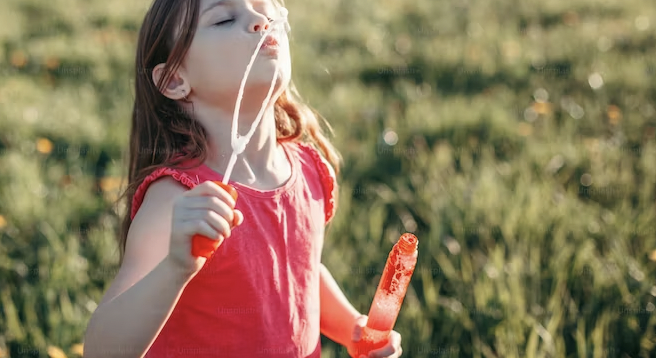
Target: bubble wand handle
[
  {"x": 202, "y": 246},
  {"x": 389, "y": 295}
]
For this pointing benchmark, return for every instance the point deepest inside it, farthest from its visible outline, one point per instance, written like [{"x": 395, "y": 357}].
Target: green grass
[{"x": 532, "y": 193}]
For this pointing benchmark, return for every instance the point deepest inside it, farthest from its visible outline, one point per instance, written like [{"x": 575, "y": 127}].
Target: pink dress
[{"x": 258, "y": 295}]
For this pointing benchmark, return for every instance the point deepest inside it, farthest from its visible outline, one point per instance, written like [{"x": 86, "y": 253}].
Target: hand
[
  {"x": 391, "y": 350},
  {"x": 208, "y": 210}
]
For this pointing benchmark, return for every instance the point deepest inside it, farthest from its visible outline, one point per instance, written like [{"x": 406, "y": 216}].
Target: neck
[{"x": 262, "y": 164}]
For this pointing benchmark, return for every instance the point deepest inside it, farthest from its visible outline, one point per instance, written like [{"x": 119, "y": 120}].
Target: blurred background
[{"x": 516, "y": 139}]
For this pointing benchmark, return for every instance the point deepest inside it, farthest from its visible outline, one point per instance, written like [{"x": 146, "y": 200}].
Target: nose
[{"x": 259, "y": 23}]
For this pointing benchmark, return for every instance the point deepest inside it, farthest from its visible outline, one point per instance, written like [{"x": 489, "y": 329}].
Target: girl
[{"x": 264, "y": 291}]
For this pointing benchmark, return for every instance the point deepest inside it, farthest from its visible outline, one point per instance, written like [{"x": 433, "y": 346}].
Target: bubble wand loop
[
  {"x": 202, "y": 245},
  {"x": 238, "y": 143}
]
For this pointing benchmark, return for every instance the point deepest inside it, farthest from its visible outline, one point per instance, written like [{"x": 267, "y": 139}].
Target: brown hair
[{"x": 161, "y": 129}]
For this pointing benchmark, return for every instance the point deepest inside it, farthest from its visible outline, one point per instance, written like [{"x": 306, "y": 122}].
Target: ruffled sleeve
[
  {"x": 158, "y": 173},
  {"x": 328, "y": 180}
]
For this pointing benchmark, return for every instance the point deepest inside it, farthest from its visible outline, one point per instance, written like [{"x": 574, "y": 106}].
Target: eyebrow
[
  {"x": 213, "y": 5},
  {"x": 225, "y": 2}
]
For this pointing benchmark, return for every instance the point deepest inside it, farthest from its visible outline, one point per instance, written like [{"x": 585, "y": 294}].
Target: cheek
[
  {"x": 212, "y": 60},
  {"x": 198, "y": 61}
]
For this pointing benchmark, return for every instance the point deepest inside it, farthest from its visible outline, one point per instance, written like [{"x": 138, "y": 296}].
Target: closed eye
[
  {"x": 232, "y": 20},
  {"x": 224, "y": 22}
]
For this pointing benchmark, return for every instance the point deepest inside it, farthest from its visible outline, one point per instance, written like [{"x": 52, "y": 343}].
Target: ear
[{"x": 177, "y": 87}]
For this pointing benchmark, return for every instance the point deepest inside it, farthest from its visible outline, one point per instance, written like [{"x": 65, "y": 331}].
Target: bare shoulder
[
  {"x": 149, "y": 234},
  {"x": 155, "y": 210}
]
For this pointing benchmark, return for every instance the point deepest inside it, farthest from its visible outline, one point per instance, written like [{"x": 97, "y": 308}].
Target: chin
[
  {"x": 255, "y": 92},
  {"x": 265, "y": 75}
]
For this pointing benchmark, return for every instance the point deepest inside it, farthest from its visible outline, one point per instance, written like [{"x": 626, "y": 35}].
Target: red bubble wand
[{"x": 388, "y": 299}]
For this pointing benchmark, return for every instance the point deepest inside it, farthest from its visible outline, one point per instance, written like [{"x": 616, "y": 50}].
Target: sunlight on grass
[{"x": 517, "y": 140}]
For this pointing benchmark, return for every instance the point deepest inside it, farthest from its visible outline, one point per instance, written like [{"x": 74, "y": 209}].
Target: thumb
[{"x": 360, "y": 323}]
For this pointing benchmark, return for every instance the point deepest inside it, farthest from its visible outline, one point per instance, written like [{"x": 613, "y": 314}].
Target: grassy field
[{"x": 515, "y": 138}]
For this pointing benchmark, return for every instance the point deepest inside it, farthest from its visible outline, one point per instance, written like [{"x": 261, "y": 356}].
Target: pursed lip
[{"x": 270, "y": 41}]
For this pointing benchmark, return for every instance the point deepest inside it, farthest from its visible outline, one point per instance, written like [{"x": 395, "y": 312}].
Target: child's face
[{"x": 228, "y": 33}]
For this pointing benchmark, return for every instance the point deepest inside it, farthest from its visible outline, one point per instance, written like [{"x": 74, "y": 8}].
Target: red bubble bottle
[
  {"x": 389, "y": 296},
  {"x": 203, "y": 246}
]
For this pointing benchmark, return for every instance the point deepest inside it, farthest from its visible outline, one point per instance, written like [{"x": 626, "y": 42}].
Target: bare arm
[
  {"x": 127, "y": 325},
  {"x": 146, "y": 288},
  {"x": 338, "y": 316}
]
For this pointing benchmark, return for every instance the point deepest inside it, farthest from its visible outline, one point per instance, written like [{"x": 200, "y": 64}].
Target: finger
[
  {"x": 211, "y": 203},
  {"x": 395, "y": 339},
  {"x": 202, "y": 228},
  {"x": 240, "y": 217},
  {"x": 209, "y": 188},
  {"x": 392, "y": 347},
  {"x": 357, "y": 334},
  {"x": 194, "y": 213},
  {"x": 360, "y": 323},
  {"x": 385, "y": 351},
  {"x": 217, "y": 222}
]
